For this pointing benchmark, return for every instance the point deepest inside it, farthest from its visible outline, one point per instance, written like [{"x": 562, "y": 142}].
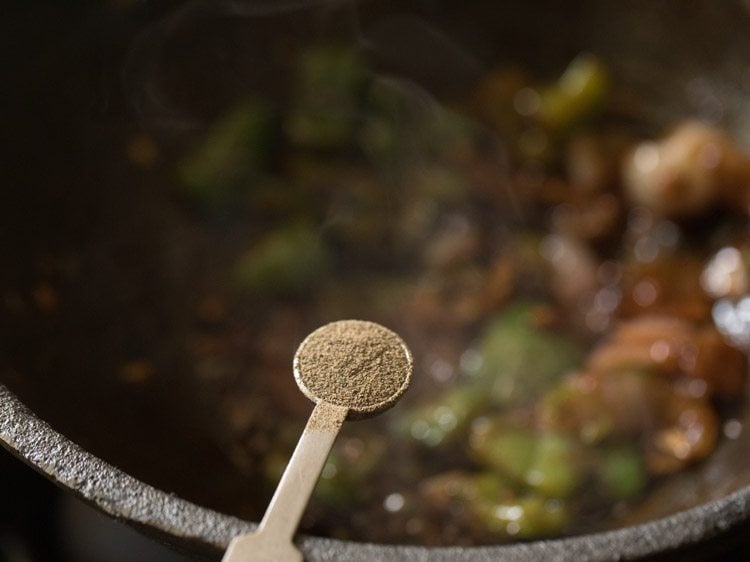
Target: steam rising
[
  {"x": 260, "y": 8},
  {"x": 187, "y": 68},
  {"x": 143, "y": 69},
  {"x": 157, "y": 91},
  {"x": 421, "y": 51},
  {"x": 150, "y": 58}
]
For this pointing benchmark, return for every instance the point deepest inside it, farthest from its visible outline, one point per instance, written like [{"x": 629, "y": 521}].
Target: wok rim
[{"x": 186, "y": 525}]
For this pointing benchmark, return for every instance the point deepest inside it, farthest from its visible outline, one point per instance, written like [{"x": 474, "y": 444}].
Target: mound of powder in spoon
[{"x": 355, "y": 364}]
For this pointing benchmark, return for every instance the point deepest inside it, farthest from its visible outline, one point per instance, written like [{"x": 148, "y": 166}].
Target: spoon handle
[{"x": 276, "y": 529}]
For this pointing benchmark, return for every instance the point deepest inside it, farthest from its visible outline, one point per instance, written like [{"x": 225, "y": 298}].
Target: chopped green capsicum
[
  {"x": 230, "y": 157},
  {"x": 289, "y": 260},
  {"x": 326, "y": 103}
]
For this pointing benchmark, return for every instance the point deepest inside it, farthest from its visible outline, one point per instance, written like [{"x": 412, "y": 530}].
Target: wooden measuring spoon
[{"x": 350, "y": 369}]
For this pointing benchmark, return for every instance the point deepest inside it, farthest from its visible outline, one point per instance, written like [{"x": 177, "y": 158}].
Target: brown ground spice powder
[
  {"x": 356, "y": 364},
  {"x": 327, "y": 417}
]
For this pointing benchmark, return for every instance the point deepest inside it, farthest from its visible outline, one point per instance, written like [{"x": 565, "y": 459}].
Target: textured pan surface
[{"x": 205, "y": 532}]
